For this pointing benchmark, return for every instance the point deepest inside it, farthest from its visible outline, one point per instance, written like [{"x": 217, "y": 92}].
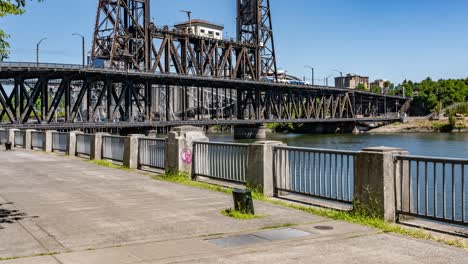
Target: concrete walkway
[{"x": 84, "y": 213}]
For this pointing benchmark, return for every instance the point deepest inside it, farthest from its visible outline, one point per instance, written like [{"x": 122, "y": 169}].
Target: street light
[
  {"x": 189, "y": 15},
  {"x": 37, "y": 50},
  {"x": 326, "y": 79},
  {"x": 83, "y": 49},
  {"x": 341, "y": 77},
  {"x": 312, "y": 69}
]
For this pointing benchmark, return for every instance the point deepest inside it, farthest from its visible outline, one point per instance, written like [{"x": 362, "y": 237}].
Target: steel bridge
[
  {"x": 143, "y": 75},
  {"x": 55, "y": 95}
]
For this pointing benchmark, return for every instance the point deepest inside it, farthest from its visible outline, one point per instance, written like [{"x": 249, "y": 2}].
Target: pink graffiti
[{"x": 186, "y": 156}]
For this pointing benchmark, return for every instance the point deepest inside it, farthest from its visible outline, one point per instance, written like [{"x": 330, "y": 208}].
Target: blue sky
[{"x": 394, "y": 40}]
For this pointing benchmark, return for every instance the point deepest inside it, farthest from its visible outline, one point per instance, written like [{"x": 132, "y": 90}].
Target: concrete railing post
[
  {"x": 28, "y": 138},
  {"x": 48, "y": 140},
  {"x": 179, "y": 148},
  {"x": 96, "y": 146},
  {"x": 260, "y": 167},
  {"x": 72, "y": 143},
  {"x": 131, "y": 151},
  {"x": 11, "y": 135},
  {"x": 374, "y": 181}
]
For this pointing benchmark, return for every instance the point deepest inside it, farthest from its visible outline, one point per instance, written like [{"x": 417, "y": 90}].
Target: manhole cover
[{"x": 323, "y": 227}]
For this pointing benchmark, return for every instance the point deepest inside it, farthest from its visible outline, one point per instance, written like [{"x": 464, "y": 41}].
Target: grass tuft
[
  {"x": 109, "y": 164},
  {"x": 239, "y": 215}
]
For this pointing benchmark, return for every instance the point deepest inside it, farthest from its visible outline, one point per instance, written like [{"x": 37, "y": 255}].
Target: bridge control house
[{"x": 202, "y": 28}]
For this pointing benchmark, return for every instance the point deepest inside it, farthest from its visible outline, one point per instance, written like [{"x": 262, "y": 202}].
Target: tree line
[{"x": 431, "y": 96}]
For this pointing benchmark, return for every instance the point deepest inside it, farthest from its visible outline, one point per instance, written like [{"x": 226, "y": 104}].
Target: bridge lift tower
[{"x": 124, "y": 39}]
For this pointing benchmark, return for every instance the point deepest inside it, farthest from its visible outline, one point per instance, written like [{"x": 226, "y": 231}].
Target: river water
[{"x": 454, "y": 145}]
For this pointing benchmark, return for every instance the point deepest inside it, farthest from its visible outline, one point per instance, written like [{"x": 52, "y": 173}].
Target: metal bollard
[
  {"x": 8, "y": 146},
  {"x": 243, "y": 201}
]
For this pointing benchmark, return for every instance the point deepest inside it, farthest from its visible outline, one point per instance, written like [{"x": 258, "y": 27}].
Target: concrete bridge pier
[{"x": 250, "y": 132}]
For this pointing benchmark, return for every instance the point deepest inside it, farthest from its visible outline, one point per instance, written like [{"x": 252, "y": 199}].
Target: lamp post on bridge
[
  {"x": 37, "y": 50},
  {"x": 189, "y": 15},
  {"x": 312, "y": 69},
  {"x": 83, "y": 49},
  {"x": 326, "y": 79}
]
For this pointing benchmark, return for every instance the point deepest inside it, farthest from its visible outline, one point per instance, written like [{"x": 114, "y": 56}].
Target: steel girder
[{"x": 88, "y": 96}]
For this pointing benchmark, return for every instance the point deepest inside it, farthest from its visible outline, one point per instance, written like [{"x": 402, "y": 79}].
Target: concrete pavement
[{"x": 84, "y": 213}]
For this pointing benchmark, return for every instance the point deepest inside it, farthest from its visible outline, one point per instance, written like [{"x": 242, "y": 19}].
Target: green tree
[
  {"x": 361, "y": 87},
  {"x": 9, "y": 7}
]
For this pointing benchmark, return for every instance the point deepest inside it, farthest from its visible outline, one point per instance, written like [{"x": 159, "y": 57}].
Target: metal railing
[
  {"x": 152, "y": 152},
  {"x": 37, "y": 140},
  {"x": 19, "y": 138},
  {"x": 432, "y": 188},
  {"x": 83, "y": 144},
  {"x": 4, "y": 136},
  {"x": 221, "y": 161},
  {"x": 60, "y": 142},
  {"x": 113, "y": 148},
  {"x": 317, "y": 173}
]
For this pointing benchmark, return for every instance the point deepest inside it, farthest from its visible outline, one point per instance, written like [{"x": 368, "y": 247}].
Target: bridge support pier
[{"x": 250, "y": 132}]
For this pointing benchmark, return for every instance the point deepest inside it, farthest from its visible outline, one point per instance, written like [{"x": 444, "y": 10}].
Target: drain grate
[{"x": 260, "y": 237}]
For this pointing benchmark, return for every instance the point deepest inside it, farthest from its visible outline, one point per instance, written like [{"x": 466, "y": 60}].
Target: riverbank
[{"x": 422, "y": 126}]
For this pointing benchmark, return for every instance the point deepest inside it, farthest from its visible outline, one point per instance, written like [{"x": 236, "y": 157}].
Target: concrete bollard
[
  {"x": 131, "y": 151},
  {"x": 260, "y": 166},
  {"x": 180, "y": 148},
  {"x": 96, "y": 146},
  {"x": 48, "y": 140},
  {"x": 374, "y": 181},
  {"x": 28, "y": 138},
  {"x": 71, "y": 151}
]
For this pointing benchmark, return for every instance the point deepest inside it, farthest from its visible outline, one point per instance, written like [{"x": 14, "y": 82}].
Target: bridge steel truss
[
  {"x": 126, "y": 39},
  {"x": 45, "y": 96}
]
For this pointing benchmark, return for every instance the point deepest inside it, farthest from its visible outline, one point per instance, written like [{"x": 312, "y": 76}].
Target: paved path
[{"x": 93, "y": 214}]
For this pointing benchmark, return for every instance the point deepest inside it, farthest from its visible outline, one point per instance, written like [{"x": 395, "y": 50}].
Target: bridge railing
[
  {"x": 432, "y": 188},
  {"x": 58, "y": 66},
  {"x": 220, "y": 161},
  {"x": 83, "y": 144},
  {"x": 60, "y": 141},
  {"x": 37, "y": 140},
  {"x": 152, "y": 153},
  {"x": 316, "y": 173},
  {"x": 113, "y": 148},
  {"x": 19, "y": 138},
  {"x": 4, "y": 136}
]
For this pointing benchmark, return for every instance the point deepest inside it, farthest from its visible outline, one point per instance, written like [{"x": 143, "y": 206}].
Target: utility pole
[
  {"x": 312, "y": 69},
  {"x": 82, "y": 47},
  {"x": 189, "y": 15},
  {"x": 37, "y": 50}
]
